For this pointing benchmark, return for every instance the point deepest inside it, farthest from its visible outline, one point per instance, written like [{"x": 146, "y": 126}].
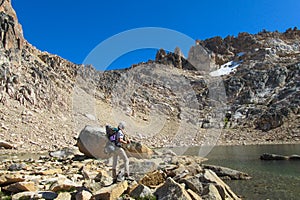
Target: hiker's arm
[{"x": 123, "y": 141}]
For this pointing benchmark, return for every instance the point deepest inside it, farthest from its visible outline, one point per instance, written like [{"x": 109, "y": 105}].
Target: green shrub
[{"x": 4, "y": 196}]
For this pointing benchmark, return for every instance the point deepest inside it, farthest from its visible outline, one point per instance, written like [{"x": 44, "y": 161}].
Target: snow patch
[{"x": 226, "y": 69}]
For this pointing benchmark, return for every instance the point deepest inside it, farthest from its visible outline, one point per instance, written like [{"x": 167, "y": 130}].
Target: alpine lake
[{"x": 276, "y": 179}]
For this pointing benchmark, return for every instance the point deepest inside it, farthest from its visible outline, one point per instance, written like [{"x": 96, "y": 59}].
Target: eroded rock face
[{"x": 11, "y": 33}]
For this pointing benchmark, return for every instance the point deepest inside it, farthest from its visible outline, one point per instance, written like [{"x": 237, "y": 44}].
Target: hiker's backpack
[{"x": 111, "y": 133}]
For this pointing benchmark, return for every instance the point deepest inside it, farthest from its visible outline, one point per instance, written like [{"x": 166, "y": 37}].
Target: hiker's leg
[
  {"x": 115, "y": 160},
  {"x": 114, "y": 167},
  {"x": 123, "y": 155}
]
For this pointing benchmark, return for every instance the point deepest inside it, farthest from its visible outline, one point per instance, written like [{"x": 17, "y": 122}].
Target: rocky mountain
[
  {"x": 235, "y": 90},
  {"x": 35, "y": 92},
  {"x": 248, "y": 85}
]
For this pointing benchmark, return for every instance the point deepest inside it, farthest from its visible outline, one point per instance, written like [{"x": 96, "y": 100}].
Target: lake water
[{"x": 271, "y": 179}]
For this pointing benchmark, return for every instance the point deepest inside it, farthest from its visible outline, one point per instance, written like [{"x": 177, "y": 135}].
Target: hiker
[{"x": 120, "y": 152}]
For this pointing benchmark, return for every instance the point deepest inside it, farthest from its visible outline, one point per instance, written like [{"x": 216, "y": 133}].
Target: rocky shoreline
[
  {"x": 10, "y": 149},
  {"x": 24, "y": 174},
  {"x": 68, "y": 174}
]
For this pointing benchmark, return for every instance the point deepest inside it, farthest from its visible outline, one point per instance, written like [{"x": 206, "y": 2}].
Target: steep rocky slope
[
  {"x": 36, "y": 89},
  {"x": 235, "y": 90},
  {"x": 263, "y": 93}
]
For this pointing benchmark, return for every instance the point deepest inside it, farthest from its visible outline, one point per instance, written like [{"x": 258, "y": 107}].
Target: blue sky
[{"x": 73, "y": 28}]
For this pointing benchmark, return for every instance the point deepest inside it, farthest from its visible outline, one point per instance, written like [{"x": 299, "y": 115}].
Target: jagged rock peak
[
  {"x": 175, "y": 59},
  {"x": 228, "y": 48},
  {"x": 11, "y": 31}
]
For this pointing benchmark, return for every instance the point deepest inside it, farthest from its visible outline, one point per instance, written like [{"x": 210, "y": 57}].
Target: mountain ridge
[{"x": 46, "y": 100}]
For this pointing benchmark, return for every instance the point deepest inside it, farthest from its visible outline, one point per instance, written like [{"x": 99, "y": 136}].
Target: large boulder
[
  {"x": 91, "y": 142},
  {"x": 269, "y": 120}
]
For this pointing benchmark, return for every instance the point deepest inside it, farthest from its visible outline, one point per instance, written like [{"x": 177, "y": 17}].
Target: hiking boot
[
  {"x": 114, "y": 176},
  {"x": 128, "y": 178}
]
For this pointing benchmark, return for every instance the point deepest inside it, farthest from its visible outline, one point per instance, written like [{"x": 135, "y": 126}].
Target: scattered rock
[
  {"x": 138, "y": 150},
  {"x": 227, "y": 173},
  {"x": 6, "y": 179},
  {"x": 171, "y": 190},
  {"x": 103, "y": 178},
  {"x": 63, "y": 184},
  {"x": 47, "y": 194},
  {"x": 20, "y": 187},
  {"x": 63, "y": 196},
  {"x": 194, "y": 195},
  {"x": 141, "y": 191},
  {"x": 64, "y": 153},
  {"x": 83, "y": 195},
  {"x": 268, "y": 156},
  {"x": 25, "y": 195},
  {"x": 6, "y": 145},
  {"x": 211, "y": 192},
  {"x": 111, "y": 192},
  {"x": 90, "y": 179},
  {"x": 209, "y": 177},
  {"x": 139, "y": 166},
  {"x": 50, "y": 172},
  {"x": 193, "y": 183},
  {"x": 17, "y": 167},
  {"x": 91, "y": 117},
  {"x": 294, "y": 157},
  {"x": 153, "y": 179}
]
